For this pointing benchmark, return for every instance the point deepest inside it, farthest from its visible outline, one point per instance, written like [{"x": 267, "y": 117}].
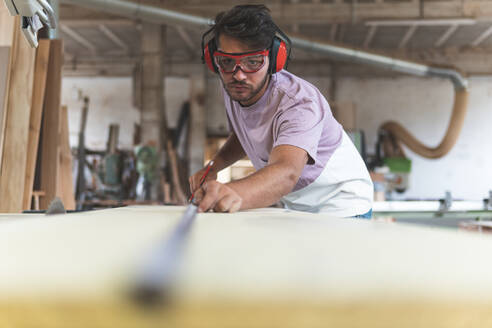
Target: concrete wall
[
  {"x": 110, "y": 103},
  {"x": 424, "y": 107},
  {"x": 177, "y": 91},
  {"x": 421, "y": 105}
]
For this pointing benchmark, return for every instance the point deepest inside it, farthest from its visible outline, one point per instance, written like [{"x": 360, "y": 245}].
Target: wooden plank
[
  {"x": 50, "y": 148},
  {"x": 66, "y": 178},
  {"x": 6, "y": 37},
  {"x": 6, "y": 27},
  {"x": 19, "y": 98},
  {"x": 4, "y": 65},
  {"x": 266, "y": 268},
  {"x": 39, "y": 88}
]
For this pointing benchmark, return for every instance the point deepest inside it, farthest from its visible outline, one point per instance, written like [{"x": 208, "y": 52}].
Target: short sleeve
[{"x": 300, "y": 125}]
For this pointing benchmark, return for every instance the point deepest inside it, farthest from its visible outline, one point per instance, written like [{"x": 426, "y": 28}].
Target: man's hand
[
  {"x": 219, "y": 197},
  {"x": 34, "y": 14},
  {"x": 194, "y": 180}
]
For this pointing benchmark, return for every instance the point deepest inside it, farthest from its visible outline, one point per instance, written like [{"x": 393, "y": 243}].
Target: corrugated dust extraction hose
[{"x": 395, "y": 132}]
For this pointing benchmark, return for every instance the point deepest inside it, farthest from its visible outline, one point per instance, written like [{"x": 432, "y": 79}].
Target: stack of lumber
[{"x": 30, "y": 90}]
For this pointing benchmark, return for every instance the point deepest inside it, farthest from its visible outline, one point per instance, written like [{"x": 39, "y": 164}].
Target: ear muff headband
[
  {"x": 208, "y": 51},
  {"x": 208, "y": 56}
]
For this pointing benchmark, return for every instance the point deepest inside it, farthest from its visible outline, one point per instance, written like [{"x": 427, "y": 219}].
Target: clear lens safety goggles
[{"x": 249, "y": 62}]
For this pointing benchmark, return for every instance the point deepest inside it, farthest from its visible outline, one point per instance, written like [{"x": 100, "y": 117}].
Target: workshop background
[
  {"x": 435, "y": 32},
  {"x": 141, "y": 83},
  {"x": 114, "y": 110}
]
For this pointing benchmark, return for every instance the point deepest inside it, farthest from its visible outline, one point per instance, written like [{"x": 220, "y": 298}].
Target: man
[{"x": 282, "y": 123}]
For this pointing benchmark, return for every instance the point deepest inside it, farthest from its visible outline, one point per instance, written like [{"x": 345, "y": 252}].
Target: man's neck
[{"x": 260, "y": 94}]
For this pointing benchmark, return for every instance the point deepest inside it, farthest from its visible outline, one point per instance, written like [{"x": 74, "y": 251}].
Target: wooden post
[
  {"x": 17, "y": 113},
  {"x": 152, "y": 86},
  {"x": 7, "y": 23},
  {"x": 50, "y": 151},
  {"x": 66, "y": 178},
  {"x": 198, "y": 125},
  {"x": 152, "y": 118}
]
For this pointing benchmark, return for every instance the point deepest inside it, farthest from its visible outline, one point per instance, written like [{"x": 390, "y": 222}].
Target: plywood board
[
  {"x": 4, "y": 68},
  {"x": 7, "y": 23},
  {"x": 39, "y": 89},
  {"x": 66, "y": 178},
  {"x": 260, "y": 268},
  {"x": 19, "y": 99},
  {"x": 50, "y": 148}
]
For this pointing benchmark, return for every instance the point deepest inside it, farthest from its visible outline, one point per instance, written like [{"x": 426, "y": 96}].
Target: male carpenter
[{"x": 282, "y": 123}]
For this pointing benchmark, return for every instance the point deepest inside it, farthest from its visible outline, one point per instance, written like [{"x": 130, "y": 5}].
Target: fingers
[
  {"x": 190, "y": 182},
  {"x": 209, "y": 193},
  {"x": 236, "y": 205},
  {"x": 198, "y": 196},
  {"x": 228, "y": 203},
  {"x": 195, "y": 179},
  {"x": 218, "y": 197},
  {"x": 194, "y": 185}
]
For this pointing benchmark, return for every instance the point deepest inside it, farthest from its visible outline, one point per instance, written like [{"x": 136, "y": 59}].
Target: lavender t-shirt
[{"x": 291, "y": 112}]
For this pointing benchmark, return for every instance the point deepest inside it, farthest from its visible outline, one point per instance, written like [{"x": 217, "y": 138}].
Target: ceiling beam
[
  {"x": 446, "y": 35},
  {"x": 482, "y": 37},
  {"x": 335, "y": 11},
  {"x": 113, "y": 37},
  {"x": 79, "y": 39},
  {"x": 408, "y": 35},
  {"x": 422, "y": 22}
]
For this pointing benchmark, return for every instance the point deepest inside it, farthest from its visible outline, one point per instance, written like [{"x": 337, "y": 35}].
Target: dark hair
[{"x": 252, "y": 24}]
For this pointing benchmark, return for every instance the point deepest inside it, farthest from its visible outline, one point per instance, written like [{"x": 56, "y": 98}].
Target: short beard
[{"x": 253, "y": 93}]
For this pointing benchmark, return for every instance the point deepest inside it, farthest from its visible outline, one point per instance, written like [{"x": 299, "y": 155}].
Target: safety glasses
[{"x": 249, "y": 62}]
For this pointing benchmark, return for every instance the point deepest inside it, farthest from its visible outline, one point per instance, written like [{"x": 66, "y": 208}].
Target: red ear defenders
[{"x": 278, "y": 55}]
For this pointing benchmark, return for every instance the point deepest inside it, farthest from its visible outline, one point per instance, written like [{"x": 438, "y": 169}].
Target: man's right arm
[{"x": 229, "y": 153}]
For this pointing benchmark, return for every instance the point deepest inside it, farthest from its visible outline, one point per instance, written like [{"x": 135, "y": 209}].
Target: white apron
[{"x": 344, "y": 187}]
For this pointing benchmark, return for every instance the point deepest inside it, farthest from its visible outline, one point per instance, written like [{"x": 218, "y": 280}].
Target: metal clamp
[
  {"x": 446, "y": 203},
  {"x": 487, "y": 202}
]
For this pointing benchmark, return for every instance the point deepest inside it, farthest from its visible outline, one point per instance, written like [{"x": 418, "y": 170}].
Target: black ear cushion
[
  {"x": 273, "y": 55},
  {"x": 208, "y": 55}
]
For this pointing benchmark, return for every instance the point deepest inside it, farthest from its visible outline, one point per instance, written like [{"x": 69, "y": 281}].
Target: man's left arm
[{"x": 263, "y": 188}]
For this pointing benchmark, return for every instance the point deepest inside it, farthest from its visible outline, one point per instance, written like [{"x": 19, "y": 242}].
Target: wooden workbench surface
[{"x": 267, "y": 257}]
